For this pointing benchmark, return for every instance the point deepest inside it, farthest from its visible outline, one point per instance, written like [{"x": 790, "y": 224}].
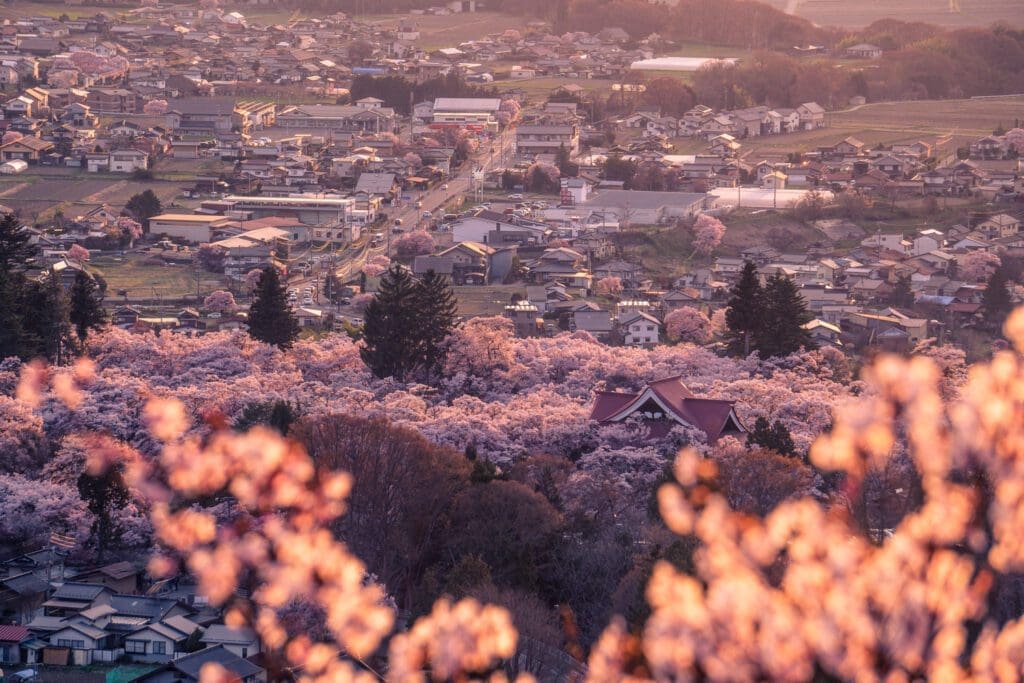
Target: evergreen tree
[
  {"x": 86, "y": 306},
  {"x": 12, "y": 333},
  {"x": 279, "y": 415},
  {"x": 902, "y": 295},
  {"x": 271, "y": 318},
  {"x": 390, "y": 326},
  {"x": 774, "y": 437},
  {"x": 46, "y": 321},
  {"x": 16, "y": 248},
  {"x": 953, "y": 269},
  {"x": 785, "y": 314},
  {"x": 995, "y": 300},
  {"x": 144, "y": 206},
  {"x": 745, "y": 313},
  {"x": 103, "y": 494},
  {"x": 437, "y": 310},
  {"x": 566, "y": 168}
]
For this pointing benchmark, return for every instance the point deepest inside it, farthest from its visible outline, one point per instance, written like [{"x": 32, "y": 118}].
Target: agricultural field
[
  {"x": 448, "y": 31},
  {"x": 151, "y": 282},
  {"x": 19, "y": 9},
  {"x": 950, "y": 123},
  {"x": 40, "y": 192},
  {"x": 488, "y": 300},
  {"x": 947, "y": 13}
]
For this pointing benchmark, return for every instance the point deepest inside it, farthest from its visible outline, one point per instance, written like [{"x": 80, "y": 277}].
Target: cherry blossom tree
[
  {"x": 978, "y": 265},
  {"x": 361, "y": 301},
  {"x": 125, "y": 229},
  {"x": 78, "y": 253},
  {"x": 220, "y": 301},
  {"x": 708, "y": 232},
  {"x": 31, "y": 509},
  {"x": 609, "y": 286},
  {"x": 542, "y": 177},
  {"x": 413, "y": 159},
  {"x": 10, "y": 136},
  {"x": 414, "y": 243},
  {"x": 155, "y": 106},
  {"x": 251, "y": 280},
  {"x": 1015, "y": 140},
  {"x": 689, "y": 325}
]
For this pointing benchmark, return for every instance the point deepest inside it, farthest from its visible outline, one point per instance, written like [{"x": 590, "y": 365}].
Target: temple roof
[{"x": 711, "y": 416}]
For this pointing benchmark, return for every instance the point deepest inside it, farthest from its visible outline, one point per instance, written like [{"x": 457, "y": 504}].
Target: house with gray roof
[{"x": 187, "y": 668}]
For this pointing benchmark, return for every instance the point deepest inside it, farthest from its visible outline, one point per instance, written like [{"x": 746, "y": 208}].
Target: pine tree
[
  {"x": 774, "y": 437},
  {"x": 745, "y": 313},
  {"x": 86, "y": 306},
  {"x": 995, "y": 300},
  {"x": 437, "y": 310},
  {"x": 902, "y": 295},
  {"x": 271, "y": 318},
  {"x": 16, "y": 248},
  {"x": 12, "y": 333},
  {"x": 104, "y": 494},
  {"x": 46, "y": 320},
  {"x": 390, "y": 326},
  {"x": 144, "y": 206},
  {"x": 785, "y": 314}
]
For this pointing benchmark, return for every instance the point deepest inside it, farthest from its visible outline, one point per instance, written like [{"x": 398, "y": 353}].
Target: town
[{"x": 444, "y": 288}]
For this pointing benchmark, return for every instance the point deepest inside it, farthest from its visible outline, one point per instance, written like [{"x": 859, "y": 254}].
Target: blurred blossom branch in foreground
[{"x": 797, "y": 595}]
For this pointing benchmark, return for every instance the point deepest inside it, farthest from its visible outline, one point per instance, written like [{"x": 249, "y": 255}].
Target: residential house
[
  {"x": 128, "y": 161},
  {"x": 11, "y": 641},
  {"x": 207, "y": 115},
  {"x": 863, "y": 51},
  {"x": 120, "y": 577},
  {"x": 159, "y": 641},
  {"x": 525, "y": 317},
  {"x": 640, "y": 329},
  {"x": 665, "y": 404},
  {"x": 988, "y": 147},
  {"x": 108, "y": 101},
  {"x": 28, "y": 149},
  {"x": 240, "y": 641},
  {"x": 533, "y": 139},
  {"x": 591, "y": 318},
  {"x": 187, "y": 669},
  {"x": 812, "y": 115},
  {"x": 1000, "y": 225},
  {"x": 81, "y": 644}
]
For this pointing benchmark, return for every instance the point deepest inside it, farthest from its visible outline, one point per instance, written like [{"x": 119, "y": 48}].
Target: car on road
[
  {"x": 419, "y": 205},
  {"x": 516, "y": 197},
  {"x": 398, "y": 221},
  {"x": 445, "y": 186},
  {"x": 427, "y": 214}
]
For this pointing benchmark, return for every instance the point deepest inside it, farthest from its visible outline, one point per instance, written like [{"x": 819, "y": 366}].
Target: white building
[
  {"x": 640, "y": 329},
  {"x": 192, "y": 228}
]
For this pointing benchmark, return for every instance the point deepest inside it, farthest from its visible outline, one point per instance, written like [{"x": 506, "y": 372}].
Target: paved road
[{"x": 348, "y": 263}]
